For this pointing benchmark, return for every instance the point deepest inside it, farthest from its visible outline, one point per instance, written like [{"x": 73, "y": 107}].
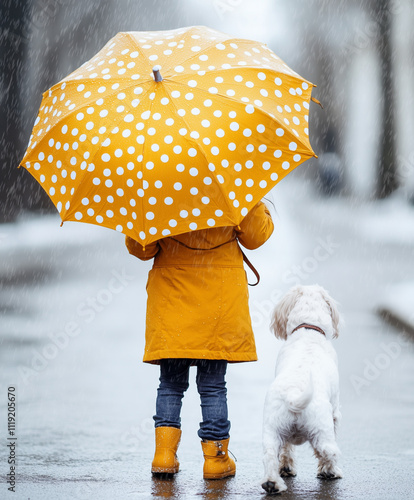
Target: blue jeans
[{"x": 211, "y": 386}]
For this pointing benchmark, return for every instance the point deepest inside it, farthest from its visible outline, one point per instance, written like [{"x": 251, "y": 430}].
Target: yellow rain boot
[
  {"x": 217, "y": 463},
  {"x": 165, "y": 460}
]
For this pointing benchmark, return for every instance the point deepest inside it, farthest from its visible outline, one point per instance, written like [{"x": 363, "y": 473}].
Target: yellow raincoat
[{"x": 197, "y": 292}]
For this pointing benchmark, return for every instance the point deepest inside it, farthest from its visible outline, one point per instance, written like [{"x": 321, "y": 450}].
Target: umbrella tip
[{"x": 157, "y": 74}]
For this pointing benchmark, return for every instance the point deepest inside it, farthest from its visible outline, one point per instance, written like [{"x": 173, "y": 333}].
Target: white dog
[{"x": 302, "y": 403}]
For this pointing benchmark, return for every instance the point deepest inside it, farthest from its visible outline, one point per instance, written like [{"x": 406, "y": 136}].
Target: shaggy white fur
[{"x": 302, "y": 404}]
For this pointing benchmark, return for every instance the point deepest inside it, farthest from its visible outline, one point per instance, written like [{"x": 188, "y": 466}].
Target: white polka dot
[
  {"x": 78, "y": 215},
  {"x": 90, "y": 125},
  {"x": 172, "y": 223},
  {"x": 192, "y": 152},
  {"x": 293, "y": 146},
  {"x": 280, "y": 132}
]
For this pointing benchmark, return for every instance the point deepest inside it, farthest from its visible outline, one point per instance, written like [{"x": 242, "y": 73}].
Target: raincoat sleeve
[
  {"x": 136, "y": 249},
  {"x": 256, "y": 227}
]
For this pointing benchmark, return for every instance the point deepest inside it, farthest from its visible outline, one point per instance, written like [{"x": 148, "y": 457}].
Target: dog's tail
[{"x": 298, "y": 399}]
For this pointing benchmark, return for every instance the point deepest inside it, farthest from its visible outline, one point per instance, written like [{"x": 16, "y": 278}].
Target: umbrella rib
[
  {"x": 115, "y": 124},
  {"x": 86, "y": 103},
  {"x": 143, "y": 151},
  {"x": 139, "y": 49},
  {"x": 240, "y": 40},
  {"x": 198, "y": 145},
  {"x": 225, "y": 97},
  {"x": 100, "y": 148},
  {"x": 276, "y": 72}
]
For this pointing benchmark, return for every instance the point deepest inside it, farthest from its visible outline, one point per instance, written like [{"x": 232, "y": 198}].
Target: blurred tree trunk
[
  {"x": 387, "y": 172},
  {"x": 14, "y": 15}
]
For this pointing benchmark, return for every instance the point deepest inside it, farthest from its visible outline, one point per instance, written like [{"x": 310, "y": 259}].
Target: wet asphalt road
[{"x": 85, "y": 399}]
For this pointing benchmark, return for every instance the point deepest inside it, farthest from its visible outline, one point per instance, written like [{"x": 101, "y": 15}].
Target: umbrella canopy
[{"x": 192, "y": 143}]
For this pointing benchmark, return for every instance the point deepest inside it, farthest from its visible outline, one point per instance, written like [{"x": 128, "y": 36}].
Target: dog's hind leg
[
  {"x": 287, "y": 461},
  {"x": 327, "y": 452},
  {"x": 272, "y": 482}
]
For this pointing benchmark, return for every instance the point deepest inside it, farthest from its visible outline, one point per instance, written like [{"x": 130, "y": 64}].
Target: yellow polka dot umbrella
[{"x": 192, "y": 143}]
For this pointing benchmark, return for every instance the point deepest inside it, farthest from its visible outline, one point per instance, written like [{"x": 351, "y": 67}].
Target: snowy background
[{"x": 72, "y": 345}]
